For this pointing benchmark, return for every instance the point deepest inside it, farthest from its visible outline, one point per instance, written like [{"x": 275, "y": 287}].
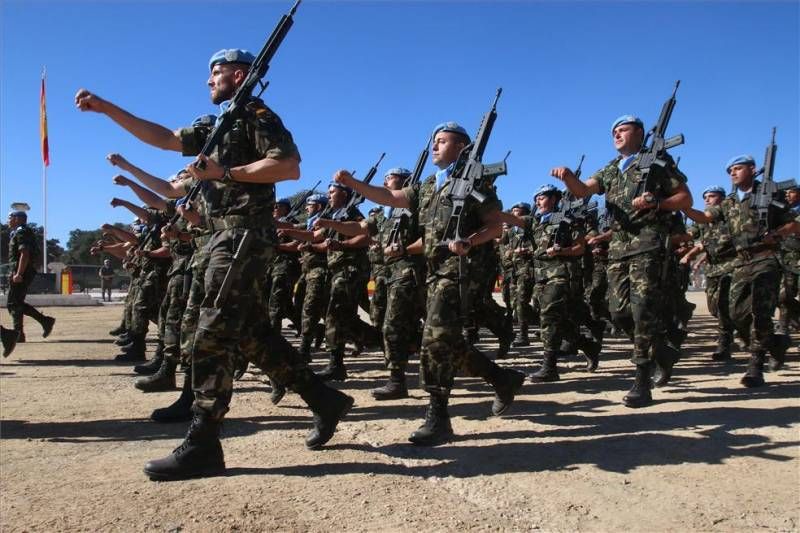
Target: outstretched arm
[
  {"x": 157, "y": 185},
  {"x": 145, "y": 195},
  {"x": 379, "y": 195}
]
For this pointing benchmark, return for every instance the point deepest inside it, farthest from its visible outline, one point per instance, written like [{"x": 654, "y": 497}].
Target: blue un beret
[
  {"x": 21, "y": 214},
  {"x": 547, "y": 189},
  {"x": 398, "y": 171},
  {"x": 715, "y": 189},
  {"x": 453, "y": 127},
  {"x": 284, "y": 201},
  {"x": 338, "y": 185},
  {"x": 743, "y": 159},
  {"x": 627, "y": 119},
  {"x": 231, "y": 55},
  {"x": 317, "y": 199},
  {"x": 522, "y": 205},
  {"x": 205, "y": 120}
]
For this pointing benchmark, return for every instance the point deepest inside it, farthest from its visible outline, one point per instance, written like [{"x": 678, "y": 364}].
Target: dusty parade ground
[{"x": 708, "y": 456}]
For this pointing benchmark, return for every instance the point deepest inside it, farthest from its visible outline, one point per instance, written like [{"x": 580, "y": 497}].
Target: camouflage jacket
[
  {"x": 22, "y": 238},
  {"x": 743, "y": 226},
  {"x": 376, "y": 225},
  {"x": 285, "y": 262},
  {"x": 718, "y": 245},
  {"x": 350, "y": 257},
  {"x": 790, "y": 249},
  {"x": 257, "y": 134},
  {"x": 545, "y": 266},
  {"x": 435, "y": 209},
  {"x": 180, "y": 251},
  {"x": 646, "y": 231}
]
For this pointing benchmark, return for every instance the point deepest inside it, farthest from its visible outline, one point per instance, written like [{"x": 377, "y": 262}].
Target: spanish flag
[{"x": 43, "y": 125}]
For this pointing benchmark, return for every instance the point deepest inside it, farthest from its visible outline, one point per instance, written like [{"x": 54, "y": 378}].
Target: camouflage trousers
[
  {"x": 15, "y": 303},
  {"x": 317, "y": 290},
  {"x": 788, "y": 304},
  {"x": 718, "y": 300},
  {"x": 596, "y": 293},
  {"x": 505, "y": 290},
  {"x": 553, "y": 297},
  {"x": 483, "y": 309},
  {"x": 147, "y": 301},
  {"x": 753, "y": 299},
  {"x": 342, "y": 322},
  {"x": 378, "y": 303},
  {"x": 523, "y": 294},
  {"x": 127, "y": 312},
  {"x": 281, "y": 291},
  {"x": 401, "y": 327},
  {"x": 444, "y": 350},
  {"x": 194, "y": 299},
  {"x": 171, "y": 313},
  {"x": 635, "y": 300},
  {"x": 239, "y": 324}
]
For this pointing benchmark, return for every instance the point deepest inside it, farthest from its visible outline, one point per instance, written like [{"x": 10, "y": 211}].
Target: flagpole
[{"x": 44, "y": 194}]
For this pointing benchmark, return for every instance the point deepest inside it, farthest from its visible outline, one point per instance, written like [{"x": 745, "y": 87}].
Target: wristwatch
[
  {"x": 226, "y": 175},
  {"x": 649, "y": 198}
]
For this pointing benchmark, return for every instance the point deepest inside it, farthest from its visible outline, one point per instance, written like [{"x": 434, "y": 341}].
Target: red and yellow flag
[{"x": 43, "y": 125}]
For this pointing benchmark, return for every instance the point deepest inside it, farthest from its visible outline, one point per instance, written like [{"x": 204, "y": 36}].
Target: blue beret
[
  {"x": 231, "y": 55},
  {"x": 743, "y": 159},
  {"x": 522, "y": 205},
  {"x": 205, "y": 120},
  {"x": 317, "y": 199},
  {"x": 284, "y": 201},
  {"x": 547, "y": 189},
  {"x": 398, "y": 171},
  {"x": 338, "y": 185},
  {"x": 21, "y": 214},
  {"x": 627, "y": 119},
  {"x": 715, "y": 189},
  {"x": 453, "y": 127}
]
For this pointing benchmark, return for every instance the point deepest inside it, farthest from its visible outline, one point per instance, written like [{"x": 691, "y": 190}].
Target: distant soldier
[
  {"x": 789, "y": 306},
  {"x": 106, "y": 274}
]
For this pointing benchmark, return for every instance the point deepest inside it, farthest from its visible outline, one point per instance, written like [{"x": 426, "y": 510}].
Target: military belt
[
  {"x": 759, "y": 250},
  {"x": 233, "y": 222}
]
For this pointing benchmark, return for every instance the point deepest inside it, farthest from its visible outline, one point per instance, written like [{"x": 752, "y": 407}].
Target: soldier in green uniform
[
  {"x": 23, "y": 253},
  {"x": 598, "y": 234},
  {"x": 239, "y": 191},
  {"x": 519, "y": 244},
  {"x": 636, "y": 251},
  {"x": 756, "y": 271},
  {"x": 377, "y": 267},
  {"x": 444, "y": 350},
  {"x": 283, "y": 273},
  {"x": 716, "y": 241},
  {"x": 789, "y": 306}
]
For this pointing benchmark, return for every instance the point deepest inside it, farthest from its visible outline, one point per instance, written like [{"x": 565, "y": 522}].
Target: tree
[
  {"x": 54, "y": 250},
  {"x": 80, "y": 242}
]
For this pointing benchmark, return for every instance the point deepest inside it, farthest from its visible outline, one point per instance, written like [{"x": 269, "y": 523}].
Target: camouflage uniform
[
  {"x": 636, "y": 254},
  {"x": 597, "y": 289},
  {"x": 316, "y": 283},
  {"x": 151, "y": 284},
  {"x": 378, "y": 271},
  {"x": 790, "y": 263},
  {"x": 756, "y": 271},
  {"x": 21, "y": 238},
  {"x": 483, "y": 269},
  {"x": 283, "y": 275},
  {"x": 519, "y": 244}
]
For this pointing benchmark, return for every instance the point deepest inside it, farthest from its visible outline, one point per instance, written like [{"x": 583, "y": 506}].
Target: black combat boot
[
  {"x": 522, "y": 337},
  {"x": 47, "y": 323},
  {"x": 181, "y": 409},
  {"x": 161, "y": 381},
  {"x": 639, "y": 395},
  {"x": 151, "y": 367},
  {"x": 335, "y": 371},
  {"x": 133, "y": 352},
  {"x": 199, "y": 455},
  {"x": 507, "y": 383},
  {"x": 777, "y": 351},
  {"x": 319, "y": 335},
  {"x": 504, "y": 345},
  {"x": 436, "y": 429},
  {"x": 548, "y": 371},
  {"x": 305, "y": 349},
  {"x": 277, "y": 393},
  {"x": 125, "y": 338},
  {"x": 666, "y": 357},
  {"x": 240, "y": 366},
  {"x": 598, "y": 330},
  {"x": 21, "y": 336},
  {"x": 754, "y": 376},
  {"x": 591, "y": 352},
  {"x": 328, "y": 406},
  {"x": 394, "y": 389},
  {"x": 723, "y": 351},
  {"x": 9, "y": 339},
  {"x": 119, "y": 330}
]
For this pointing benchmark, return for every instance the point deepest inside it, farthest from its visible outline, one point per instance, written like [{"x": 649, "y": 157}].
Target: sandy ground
[{"x": 708, "y": 456}]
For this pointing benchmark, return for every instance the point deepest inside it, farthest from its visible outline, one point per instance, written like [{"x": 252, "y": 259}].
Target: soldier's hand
[
  {"x": 107, "y": 227},
  {"x": 685, "y": 260},
  {"x": 304, "y": 246},
  {"x": 394, "y": 250},
  {"x": 86, "y": 101},
  {"x": 322, "y": 223},
  {"x": 639, "y": 203},
  {"x": 562, "y": 173},
  {"x": 119, "y": 179},
  {"x": 118, "y": 161},
  {"x": 553, "y": 251},
  {"x": 212, "y": 171},
  {"x": 16, "y": 278},
  {"x": 168, "y": 232},
  {"x": 333, "y": 245},
  {"x": 459, "y": 247},
  {"x": 116, "y": 202},
  {"x": 343, "y": 177}
]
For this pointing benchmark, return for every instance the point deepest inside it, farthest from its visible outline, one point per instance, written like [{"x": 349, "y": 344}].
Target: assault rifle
[
  {"x": 652, "y": 156},
  {"x": 298, "y": 205},
  {"x": 564, "y": 217},
  {"x": 768, "y": 193},
  {"x": 356, "y": 198},
  {"x": 401, "y": 216}
]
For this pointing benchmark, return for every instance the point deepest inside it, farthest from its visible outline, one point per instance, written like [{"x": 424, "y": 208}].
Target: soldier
[
  {"x": 598, "y": 234},
  {"x": 444, "y": 350},
  {"x": 23, "y": 255},
  {"x": 106, "y": 274},
  {"x": 636, "y": 251},
  {"x": 789, "y": 307},
  {"x": 520, "y": 248},
  {"x": 716, "y": 241},
  {"x": 238, "y": 186},
  {"x": 377, "y": 265},
  {"x": 756, "y": 271},
  {"x": 283, "y": 273}
]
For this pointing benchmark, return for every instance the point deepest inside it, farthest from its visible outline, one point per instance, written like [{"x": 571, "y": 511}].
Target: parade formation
[{"x": 220, "y": 265}]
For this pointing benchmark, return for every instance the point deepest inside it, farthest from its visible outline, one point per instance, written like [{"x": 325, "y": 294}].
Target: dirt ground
[{"x": 708, "y": 455}]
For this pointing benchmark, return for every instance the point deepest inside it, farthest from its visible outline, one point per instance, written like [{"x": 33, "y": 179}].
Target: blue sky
[{"x": 354, "y": 79}]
